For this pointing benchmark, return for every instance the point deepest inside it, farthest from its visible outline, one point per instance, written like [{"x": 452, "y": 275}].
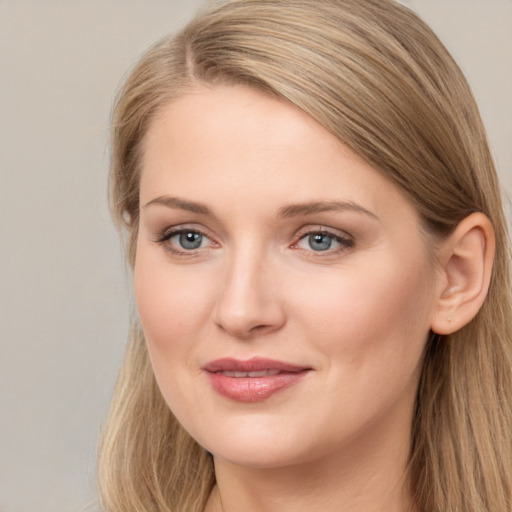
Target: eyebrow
[
  {"x": 292, "y": 210},
  {"x": 295, "y": 210},
  {"x": 180, "y": 204}
]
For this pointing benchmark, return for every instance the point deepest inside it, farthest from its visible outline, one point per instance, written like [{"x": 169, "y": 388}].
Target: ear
[{"x": 466, "y": 258}]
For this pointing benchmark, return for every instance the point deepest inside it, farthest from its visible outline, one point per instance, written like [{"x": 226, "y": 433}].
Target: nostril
[
  {"x": 261, "y": 329},
  {"x": 244, "y": 328}
]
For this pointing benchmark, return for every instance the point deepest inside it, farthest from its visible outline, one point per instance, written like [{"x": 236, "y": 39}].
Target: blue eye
[
  {"x": 323, "y": 241},
  {"x": 184, "y": 241},
  {"x": 320, "y": 241},
  {"x": 189, "y": 240}
]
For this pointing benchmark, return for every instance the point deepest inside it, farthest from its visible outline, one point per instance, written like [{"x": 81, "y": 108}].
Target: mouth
[
  {"x": 252, "y": 380},
  {"x": 239, "y": 375}
]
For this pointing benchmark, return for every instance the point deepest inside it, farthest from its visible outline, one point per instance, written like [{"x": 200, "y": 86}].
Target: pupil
[
  {"x": 320, "y": 242},
  {"x": 191, "y": 240}
]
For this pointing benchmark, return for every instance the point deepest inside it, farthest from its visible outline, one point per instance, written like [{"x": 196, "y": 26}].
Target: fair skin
[{"x": 262, "y": 236}]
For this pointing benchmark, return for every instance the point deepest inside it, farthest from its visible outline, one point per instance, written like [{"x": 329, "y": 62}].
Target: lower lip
[{"x": 253, "y": 389}]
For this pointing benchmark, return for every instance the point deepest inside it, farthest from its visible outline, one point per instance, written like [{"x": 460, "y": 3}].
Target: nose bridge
[{"x": 248, "y": 302}]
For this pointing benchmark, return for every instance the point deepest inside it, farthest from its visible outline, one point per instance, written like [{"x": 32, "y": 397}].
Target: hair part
[{"x": 373, "y": 74}]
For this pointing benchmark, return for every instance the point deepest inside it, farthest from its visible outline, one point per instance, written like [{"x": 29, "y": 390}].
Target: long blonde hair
[{"x": 373, "y": 74}]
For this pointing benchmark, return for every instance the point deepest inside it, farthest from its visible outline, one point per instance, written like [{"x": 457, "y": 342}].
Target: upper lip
[{"x": 254, "y": 364}]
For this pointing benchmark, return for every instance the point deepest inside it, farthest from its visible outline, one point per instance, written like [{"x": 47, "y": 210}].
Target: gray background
[{"x": 64, "y": 294}]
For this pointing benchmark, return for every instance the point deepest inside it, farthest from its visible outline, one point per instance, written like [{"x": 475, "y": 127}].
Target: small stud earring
[{"x": 452, "y": 290}]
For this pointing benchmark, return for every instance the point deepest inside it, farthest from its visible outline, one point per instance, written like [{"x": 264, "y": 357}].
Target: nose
[{"x": 249, "y": 302}]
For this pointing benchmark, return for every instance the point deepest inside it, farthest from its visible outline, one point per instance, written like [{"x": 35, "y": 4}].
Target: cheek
[
  {"x": 380, "y": 316},
  {"x": 371, "y": 329},
  {"x": 172, "y": 308},
  {"x": 171, "y": 303}
]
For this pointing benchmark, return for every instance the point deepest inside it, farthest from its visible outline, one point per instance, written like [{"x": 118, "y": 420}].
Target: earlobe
[{"x": 467, "y": 257}]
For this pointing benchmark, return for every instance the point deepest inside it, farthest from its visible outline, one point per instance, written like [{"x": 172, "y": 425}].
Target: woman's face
[{"x": 283, "y": 285}]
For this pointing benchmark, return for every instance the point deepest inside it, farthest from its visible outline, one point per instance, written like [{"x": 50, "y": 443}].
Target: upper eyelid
[
  {"x": 180, "y": 228},
  {"x": 307, "y": 230}
]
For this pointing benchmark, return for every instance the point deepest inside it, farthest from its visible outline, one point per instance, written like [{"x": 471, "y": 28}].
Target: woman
[{"x": 320, "y": 268}]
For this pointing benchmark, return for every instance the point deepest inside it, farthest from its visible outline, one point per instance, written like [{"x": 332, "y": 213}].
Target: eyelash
[
  {"x": 166, "y": 236},
  {"x": 345, "y": 242}
]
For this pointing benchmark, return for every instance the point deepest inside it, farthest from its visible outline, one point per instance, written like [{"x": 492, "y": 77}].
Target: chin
[
  {"x": 254, "y": 445},
  {"x": 257, "y": 456}
]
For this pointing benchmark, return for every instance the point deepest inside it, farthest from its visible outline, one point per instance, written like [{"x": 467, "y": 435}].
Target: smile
[
  {"x": 238, "y": 375},
  {"x": 253, "y": 380}
]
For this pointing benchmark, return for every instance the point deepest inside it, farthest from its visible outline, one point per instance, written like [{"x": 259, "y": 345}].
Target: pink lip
[{"x": 256, "y": 388}]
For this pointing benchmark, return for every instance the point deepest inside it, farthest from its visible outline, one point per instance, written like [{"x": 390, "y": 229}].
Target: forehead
[
  {"x": 230, "y": 120},
  {"x": 232, "y": 144}
]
